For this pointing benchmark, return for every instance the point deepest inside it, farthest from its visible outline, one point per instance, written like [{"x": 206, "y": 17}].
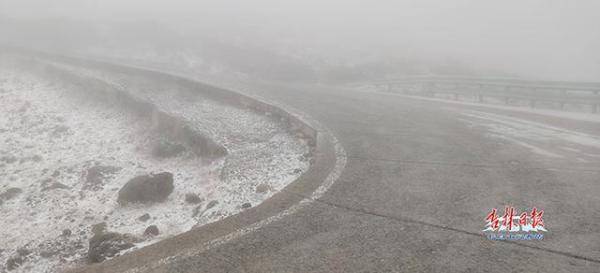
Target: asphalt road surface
[{"x": 419, "y": 180}]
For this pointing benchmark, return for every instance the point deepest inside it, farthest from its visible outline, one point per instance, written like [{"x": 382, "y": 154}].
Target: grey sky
[{"x": 555, "y": 39}]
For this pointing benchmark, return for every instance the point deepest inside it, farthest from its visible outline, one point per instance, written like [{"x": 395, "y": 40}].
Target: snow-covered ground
[{"x": 53, "y": 144}]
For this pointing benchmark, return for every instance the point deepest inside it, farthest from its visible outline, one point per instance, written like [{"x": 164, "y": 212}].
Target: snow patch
[{"x": 55, "y": 138}]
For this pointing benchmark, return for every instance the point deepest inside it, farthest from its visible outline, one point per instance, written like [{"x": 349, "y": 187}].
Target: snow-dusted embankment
[{"x": 64, "y": 158}]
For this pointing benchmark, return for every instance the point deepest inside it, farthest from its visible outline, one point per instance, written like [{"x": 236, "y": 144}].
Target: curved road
[{"x": 418, "y": 183}]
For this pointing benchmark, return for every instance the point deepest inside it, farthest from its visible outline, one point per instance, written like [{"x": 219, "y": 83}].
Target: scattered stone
[
  {"x": 246, "y": 205},
  {"x": 166, "y": 149},
  {"x": 144, "y": 217},
  {"x": 47, "y": 253},
  {"x": 99, "y": 229},
  {"x": 192, "y": 198},
  {"x": 23, "y": 251},
  {"x": 10, "y": 193},
  {"x": 95, "y": 176},
  {"x": 212, "y": 204},
  {"x": 151, "y": 231},
  {"x": 107, "y": 245},
  {"x": 147, "y": 189},
  {"x": 66, "y": 232},
  {"x": 263, "y": 187},
  {"x": 46, "y": 182},
  {"x": 199, "y": 211},
  {"x": 13, "y": 263}
]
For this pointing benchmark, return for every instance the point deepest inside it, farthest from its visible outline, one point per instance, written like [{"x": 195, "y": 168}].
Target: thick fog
[
  {"x": 545, "y": 39},
  {"x": 299, "y": 135}
]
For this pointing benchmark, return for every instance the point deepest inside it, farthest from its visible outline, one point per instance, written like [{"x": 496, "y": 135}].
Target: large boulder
[{"x": 147, "y": 189}]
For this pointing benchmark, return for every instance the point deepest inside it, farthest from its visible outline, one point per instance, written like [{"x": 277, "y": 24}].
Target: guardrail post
[
  {"x": 532, "y": 103},
  {"x": 595, "y": 108},
  {"x": 389, "y": 87},
  {"x": 562, "y": 105},
  {"x": 479, "y": 97}
]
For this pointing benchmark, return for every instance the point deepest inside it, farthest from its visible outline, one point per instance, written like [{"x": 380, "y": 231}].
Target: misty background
[{"x": 323, "y": 41}]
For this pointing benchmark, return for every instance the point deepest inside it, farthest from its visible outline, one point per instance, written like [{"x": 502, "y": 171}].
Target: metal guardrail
[{"x": 510, "y": 91}]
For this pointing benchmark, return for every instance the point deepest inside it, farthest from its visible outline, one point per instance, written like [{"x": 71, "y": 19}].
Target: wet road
[{"x": 419, "y": 180}]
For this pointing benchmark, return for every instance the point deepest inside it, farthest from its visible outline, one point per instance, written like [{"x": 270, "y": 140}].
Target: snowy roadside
[{"x": 64, "y": 159}]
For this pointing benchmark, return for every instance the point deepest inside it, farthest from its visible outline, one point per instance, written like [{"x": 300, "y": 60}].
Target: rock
[
  {"x": 147, "y": 189},
  {"x": 14, "y": 262},
  {"x": 246, "y": 205},
  {"x": 198, "y": 210},
  {"x": 166, "y": 149},
  {"x": 212, "y": 204},
  {"x": 10, "y": 193},
  {"x": 66, "y": 232},
  {"x": 107, "y": 245},
  {"x": 201, "y": 145},
  {"x": 263, "y": 187},
  {"x": 47, "y": 253},
  {"x": 95, "y": 176},
  {"x": 99, "y": 229},
  {"x": 192, "y": 198},
  {"x": 23, "y": 251},
  {"x": 144, "y": 217},
  {"x": 151, "y": 231}
]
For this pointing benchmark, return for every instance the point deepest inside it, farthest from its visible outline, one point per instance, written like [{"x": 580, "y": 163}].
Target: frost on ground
[
  {"x": 542, "y": 139},
  {"x": 64, "y": 159},
  {"x": 574, "y": 114}
]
